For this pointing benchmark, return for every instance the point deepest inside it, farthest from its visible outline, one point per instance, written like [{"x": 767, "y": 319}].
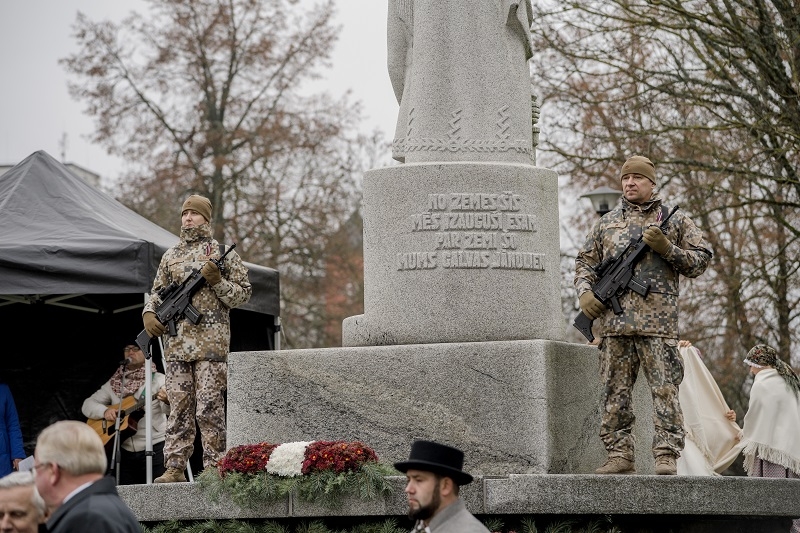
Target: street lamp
[{"x": 603, "y": 199}]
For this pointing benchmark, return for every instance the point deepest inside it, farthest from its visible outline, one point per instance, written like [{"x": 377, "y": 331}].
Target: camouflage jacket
[
  {"x": 210, "y": 339},
  {"x": 657, "y": 314}
]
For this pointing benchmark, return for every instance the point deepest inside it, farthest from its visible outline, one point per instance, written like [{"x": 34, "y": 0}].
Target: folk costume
[
  {"x": 131, "y": 382},
  {"x": 711, "y": 439},
  {"x": 771, "y": 427}
]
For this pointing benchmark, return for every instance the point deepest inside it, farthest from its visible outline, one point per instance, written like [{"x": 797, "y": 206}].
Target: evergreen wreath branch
[{"x": 331, "y": 471}]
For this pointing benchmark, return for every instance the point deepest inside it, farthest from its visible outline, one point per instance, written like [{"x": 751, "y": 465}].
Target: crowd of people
[{"x": 67, "y": 486}]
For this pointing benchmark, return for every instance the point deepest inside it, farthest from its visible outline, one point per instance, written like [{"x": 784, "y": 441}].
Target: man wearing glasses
[{"x": 128, "y": 384}]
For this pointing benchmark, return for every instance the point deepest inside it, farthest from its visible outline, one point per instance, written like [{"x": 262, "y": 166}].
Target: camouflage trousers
[
  {"x": 195, "y": 390},
  {"x": 620, "y": 360}
]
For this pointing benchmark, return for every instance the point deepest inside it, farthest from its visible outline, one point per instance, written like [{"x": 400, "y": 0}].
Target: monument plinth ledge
[{"x": 459, "y": 252}]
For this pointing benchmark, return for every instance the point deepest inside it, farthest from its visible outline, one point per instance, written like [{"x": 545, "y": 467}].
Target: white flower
[{"x": 287, "y": 459}]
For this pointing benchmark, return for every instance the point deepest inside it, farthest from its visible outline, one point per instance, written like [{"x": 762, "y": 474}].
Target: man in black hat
[{"x": 434, "y": 476}]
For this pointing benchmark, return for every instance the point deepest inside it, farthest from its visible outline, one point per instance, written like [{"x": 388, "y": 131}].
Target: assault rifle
[
  {"x": 176, "y": 303},
  {"x": 615, "y": 277}
]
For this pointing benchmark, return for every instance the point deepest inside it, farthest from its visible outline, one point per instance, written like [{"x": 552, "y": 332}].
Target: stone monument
[
  {"x": 459, "y": 72},
  {"x": 461, "y": 241},
  {"x": 461, "y": 337}
]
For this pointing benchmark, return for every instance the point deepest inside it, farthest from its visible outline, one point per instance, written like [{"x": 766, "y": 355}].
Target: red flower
[
  {"x": 339, "y": 456},
  {"x": 247, "y": 458}
]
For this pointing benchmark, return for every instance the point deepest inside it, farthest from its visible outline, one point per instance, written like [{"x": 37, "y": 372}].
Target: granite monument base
[
  {"x": 459, "y": 252},
  {"x": 514, "y": 407},
  {"x": 525, "y": 412},
  {"x": 676, "y": 504}
]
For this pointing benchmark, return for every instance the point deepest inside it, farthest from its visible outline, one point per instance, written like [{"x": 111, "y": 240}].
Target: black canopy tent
[{"x": 75, "y": 266}]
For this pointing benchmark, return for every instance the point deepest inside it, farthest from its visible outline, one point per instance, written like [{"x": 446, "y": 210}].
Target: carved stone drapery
[{"x": 460, "y": 74}]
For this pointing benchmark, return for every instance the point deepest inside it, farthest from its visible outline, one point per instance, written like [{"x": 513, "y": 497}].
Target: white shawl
[
  {"x": 711, "y": 444},
  {"x": 772, "y": 423}
]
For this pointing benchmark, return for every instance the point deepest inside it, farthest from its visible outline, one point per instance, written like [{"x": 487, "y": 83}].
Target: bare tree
[
  {"x": 211, "y": 97},
  {"x": 708, "y": 90}
]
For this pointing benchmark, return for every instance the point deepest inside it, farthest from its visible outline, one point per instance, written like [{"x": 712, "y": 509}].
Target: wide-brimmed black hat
[{"x": 437, "y": 458}]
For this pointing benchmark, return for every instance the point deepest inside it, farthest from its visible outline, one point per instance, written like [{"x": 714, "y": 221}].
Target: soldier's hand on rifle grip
[
  {"x": 211, "y": 272},
  {"x": 590, "y": 305},
  {"x": 153, "y": 327},
  {"x": 656, "y": 240}
]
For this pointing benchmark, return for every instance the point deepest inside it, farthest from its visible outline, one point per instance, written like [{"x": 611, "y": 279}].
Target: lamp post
[{"x": 603, "y": 199}]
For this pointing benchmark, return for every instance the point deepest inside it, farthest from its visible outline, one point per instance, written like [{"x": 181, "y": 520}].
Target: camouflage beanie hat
[
  {"x": 639, "y": 165},
  {"x": 762, "y": 355},
  {"x": 198, "y": 203}
]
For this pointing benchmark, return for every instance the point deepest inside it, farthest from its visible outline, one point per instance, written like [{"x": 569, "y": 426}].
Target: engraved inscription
[
  {"x": 473, "y": 231},
  {"x": 416, "y": 260}
]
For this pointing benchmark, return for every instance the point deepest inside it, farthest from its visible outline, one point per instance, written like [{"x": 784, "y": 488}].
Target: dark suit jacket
[{"x": 98, "y": 508}]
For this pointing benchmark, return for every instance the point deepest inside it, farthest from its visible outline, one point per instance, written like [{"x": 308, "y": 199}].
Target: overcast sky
[{"x": 36, "y": 109}]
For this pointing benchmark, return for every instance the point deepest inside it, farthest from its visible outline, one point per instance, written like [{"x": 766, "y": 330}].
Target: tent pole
[
  {"x": 277, "y": 336},
  {"x": 148, "y": 406}
]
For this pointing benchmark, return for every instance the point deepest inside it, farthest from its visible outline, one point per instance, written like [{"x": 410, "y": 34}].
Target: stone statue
[{"x": 460, "y": 74}]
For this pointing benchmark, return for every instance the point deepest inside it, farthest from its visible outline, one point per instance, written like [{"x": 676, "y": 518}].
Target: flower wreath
[{"x": 320, "y": 471}]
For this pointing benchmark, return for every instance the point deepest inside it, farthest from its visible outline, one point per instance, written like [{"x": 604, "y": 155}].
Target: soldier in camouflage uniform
[
  {"x": 196, "y": 359},
  {"x": 646, "y": 333}
]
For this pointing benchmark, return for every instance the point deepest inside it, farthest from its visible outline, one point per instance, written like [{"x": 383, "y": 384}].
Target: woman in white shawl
[
  {"x": 771, "y": 429},
  {"x": 711, "y": 439}
]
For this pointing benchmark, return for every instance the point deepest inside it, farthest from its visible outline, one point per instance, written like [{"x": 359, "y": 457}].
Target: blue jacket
[{"x": 10, "y": 434}]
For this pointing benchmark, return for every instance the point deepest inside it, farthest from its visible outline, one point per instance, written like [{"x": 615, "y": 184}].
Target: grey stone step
[{"x": 695, "y": 498}]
